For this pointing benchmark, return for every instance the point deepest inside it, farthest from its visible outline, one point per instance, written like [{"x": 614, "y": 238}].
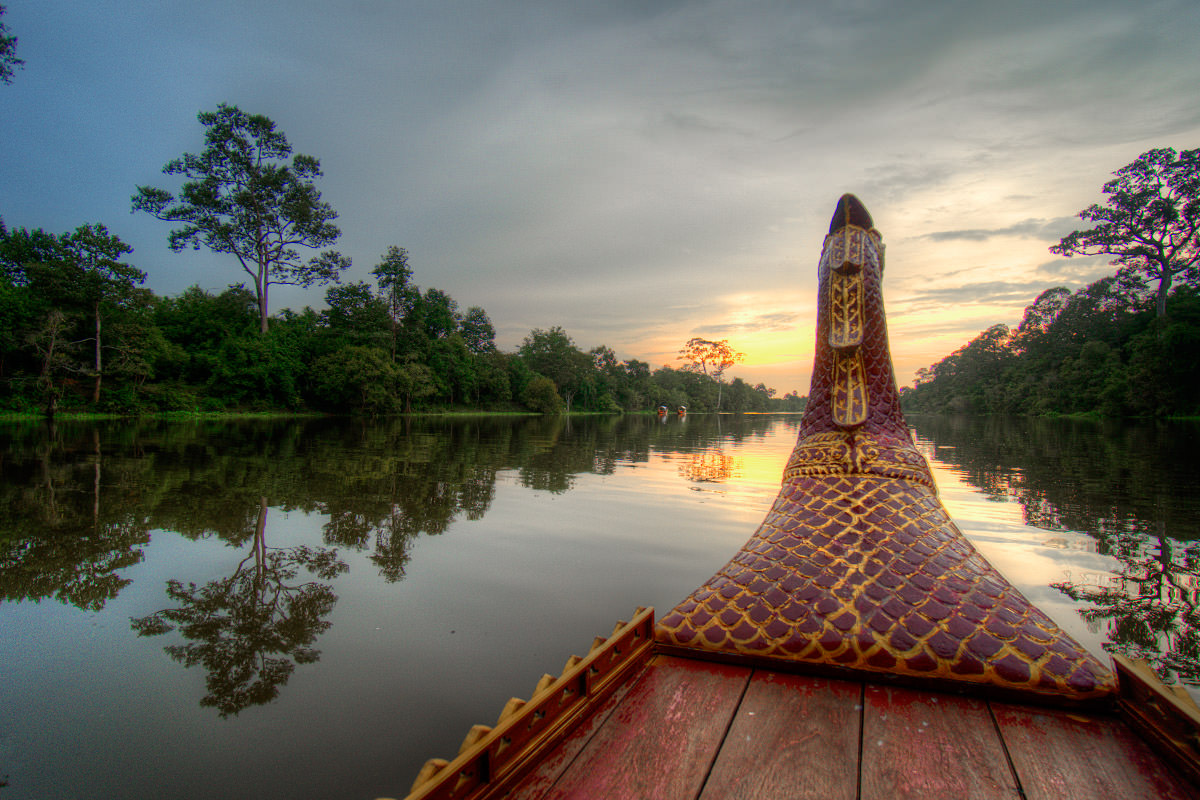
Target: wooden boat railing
[
  {"x": 490, "y": 759},
  {"x": 857, "y": 576},
  {"x": 1166, "y": 717},
  {"x": 493, "y": 760}
]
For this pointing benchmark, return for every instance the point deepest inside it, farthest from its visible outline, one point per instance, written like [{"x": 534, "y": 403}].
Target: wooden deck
[{"x": 686, "y": 728}]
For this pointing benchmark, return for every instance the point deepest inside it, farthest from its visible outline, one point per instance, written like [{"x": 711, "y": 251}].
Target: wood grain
[
  {"x": 1063, "y": 755},
  {"x": 793, "y": 737},
  {"x": 542, "y": 777},
  {"x": 925, "y": 745},
  {"x": 662, "y": 739}
]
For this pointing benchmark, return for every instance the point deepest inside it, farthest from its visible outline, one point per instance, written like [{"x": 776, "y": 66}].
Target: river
[{"x": 313, "y": 608}]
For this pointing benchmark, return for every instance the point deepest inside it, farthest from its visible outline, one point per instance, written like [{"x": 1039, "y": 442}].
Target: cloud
[
  {"x": 1079, "y": 269},
  {"x": 1045, "y": 229},
  {"x": 966, "y": 327},
  {"x": 993, "y": 292},
  {"x": 622, "y": 169},
  {"x": 776, "y": 321}
]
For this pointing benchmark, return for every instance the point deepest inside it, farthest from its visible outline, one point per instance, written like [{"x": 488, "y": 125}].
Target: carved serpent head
[{"x": 853, "y": 423}]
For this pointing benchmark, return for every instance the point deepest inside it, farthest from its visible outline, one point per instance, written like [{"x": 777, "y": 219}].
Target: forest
[
  {"x": 80, "y": 333},
  {"x": 1125, "y": 345},
  {"x": 1101, "y": 351}
]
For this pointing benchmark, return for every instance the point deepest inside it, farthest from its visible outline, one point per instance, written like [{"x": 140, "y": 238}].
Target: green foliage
[
  {"x": 541, "y": 396},
  {"x": 554, "y": 355},
  {"x": 8, "y": 52},
  {"x": 359, "y": 378},
  {"x": 414, "y": 383},
  {"x": 392, "y": 275},
  {"x": 241, "y": 196},
  {"x": 70, "y": 303},
  {"x": 477, "y": 331},
  {"x": 1150, "y": 221},
  {"x": 1102, "y": 350},
  {"x": 356, "y": 316},
  {"x": 382, "y": 349}
]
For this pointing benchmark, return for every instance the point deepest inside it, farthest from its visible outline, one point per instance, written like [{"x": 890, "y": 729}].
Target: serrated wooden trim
[
  {"x": 1168, "y": 722},
  {"x": 473, "y": 736},
  {"x": 513, "y": 705},
  {"x": 544, "y": 683},
  {"x": 428, "y": 772},
  {"x": 499, "y": 756}
]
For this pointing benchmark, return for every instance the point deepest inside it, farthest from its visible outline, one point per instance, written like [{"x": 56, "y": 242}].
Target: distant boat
[{"x": 856, "y": 646}]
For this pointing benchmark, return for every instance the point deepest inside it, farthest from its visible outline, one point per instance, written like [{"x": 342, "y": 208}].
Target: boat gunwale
[{"x": 1168, "y": 724}]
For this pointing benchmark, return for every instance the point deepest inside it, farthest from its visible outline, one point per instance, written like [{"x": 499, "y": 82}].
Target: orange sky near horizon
[{"x": 637, "y": 173}]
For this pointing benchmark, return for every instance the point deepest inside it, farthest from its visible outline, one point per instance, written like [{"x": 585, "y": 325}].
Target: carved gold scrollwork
[
  {"x": 849, "y": 390},
  {"x": 832, "y": 454},
  {"x": 845, "y": 310},
  {"x": 847, "y": 248},
  {"x": 855, "y": 453}
]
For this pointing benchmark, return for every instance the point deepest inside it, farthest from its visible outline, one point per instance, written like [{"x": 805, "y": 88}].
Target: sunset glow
[{"x": 638, "y": 174}]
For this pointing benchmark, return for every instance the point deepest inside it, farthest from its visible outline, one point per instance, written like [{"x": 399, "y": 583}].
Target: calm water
[{"x": 312, "y": 609}]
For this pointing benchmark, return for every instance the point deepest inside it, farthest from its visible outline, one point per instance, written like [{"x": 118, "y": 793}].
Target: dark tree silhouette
[
  {"x": 1150, "y": 220},
  {"x": 250, "y": 630}
]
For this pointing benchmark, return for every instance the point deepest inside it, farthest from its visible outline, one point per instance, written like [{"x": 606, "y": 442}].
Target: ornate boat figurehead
[{"x": 858, "y": 566}]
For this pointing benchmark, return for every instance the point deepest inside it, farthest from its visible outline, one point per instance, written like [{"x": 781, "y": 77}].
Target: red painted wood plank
[
  {"x": 1061, "y": 755},
  {"x": 661, "y": 741},
  {"x": 793, "y": 737},
  {"x": 923, "y": 745},
  {"x": 542, "y": 777}
]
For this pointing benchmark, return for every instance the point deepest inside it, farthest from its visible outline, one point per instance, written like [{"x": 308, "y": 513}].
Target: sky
[{"x": 637, "y": 172}]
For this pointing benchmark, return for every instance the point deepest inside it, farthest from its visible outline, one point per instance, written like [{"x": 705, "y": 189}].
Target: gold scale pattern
[{"x": 857, "y": 565}]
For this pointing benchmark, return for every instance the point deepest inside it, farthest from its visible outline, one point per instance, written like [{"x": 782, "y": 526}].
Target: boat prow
[{"x": 857, "y": 645}]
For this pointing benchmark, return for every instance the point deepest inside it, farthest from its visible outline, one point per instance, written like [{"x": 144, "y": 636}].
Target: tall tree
[
  {"x": 710, "y": 358},
  {"x": 478, "y": 332},
  {"x": 441, "y": 314},
  {"x": 392, "y": 274},
  {"x": 242, "y": 196},
  {"x": 8, "y": 52},
  {"x": 553, "y": 354},
  {"x": 104, "y": 282},
  {"x": 356, "y": 315},
  {"x": 81, "y": 275},
  {"x": 1150, "y": 221}
]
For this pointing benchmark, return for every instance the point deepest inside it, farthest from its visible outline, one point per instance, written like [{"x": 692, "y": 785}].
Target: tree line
[
  {"x": 1126, "y": 345},
  {"x": 80, "y": 332}
]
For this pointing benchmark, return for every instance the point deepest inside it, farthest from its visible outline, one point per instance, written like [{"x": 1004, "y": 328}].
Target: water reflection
[
  {"x": 78, "y": 504},
  {"x": 471, "y": 554},
  {"x": 709, "y": 466},
  {"x": 1128, "y": 486},
  {"x": 251, "y": 629},
  {"x": 59, "y": 540}
]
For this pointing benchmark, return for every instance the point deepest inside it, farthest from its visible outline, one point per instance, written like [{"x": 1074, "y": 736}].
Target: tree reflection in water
[
  {"x": 79, "y": 502},
  {"x": 713, "y": 465},
  {"x": 1125, "y": 485},
  {"x": 59, "y": 539},
  {"x": 1151, "y": 604},
  {"x": 250, "y": 630}
]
